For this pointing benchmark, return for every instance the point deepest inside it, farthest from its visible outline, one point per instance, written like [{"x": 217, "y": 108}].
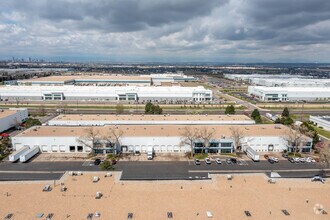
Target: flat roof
[
  {"x": 151, "y": 118},
  {"x": 5, "y": 112},
  {"x": 79, "y": 77},
  {"x": 292, "y": 89},
  {"x": 154, "y": 130}
]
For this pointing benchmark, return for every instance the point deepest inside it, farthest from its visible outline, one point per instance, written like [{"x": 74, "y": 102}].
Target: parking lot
[{"x": 153, "y": 170}]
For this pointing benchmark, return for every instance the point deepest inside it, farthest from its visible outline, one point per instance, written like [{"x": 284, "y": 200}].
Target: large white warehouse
[
  {"x": 162, "y": 138},
  {"x": 90, "y": 93},
  {"x": 289, "y": 93},
  {"x": 12, "y": 117},
  {"x": 281, "y": 80},
  {"x": 100, "y": 120}
]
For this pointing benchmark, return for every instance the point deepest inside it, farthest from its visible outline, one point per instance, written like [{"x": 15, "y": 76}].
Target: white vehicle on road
[
  {"x": 218, "y": 161},
  {"x": 275, "y": 159},
  {"x": 310, "y": 160}
]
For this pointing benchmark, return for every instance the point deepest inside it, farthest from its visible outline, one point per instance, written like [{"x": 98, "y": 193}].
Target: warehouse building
[
  {"x": 264, "y": 93},
  {"x": 12, "y": 117},
  {"x": 111, "y": 93},
  {"x": 94, "y": 80},
  {"x": 101, "y": 120},
  {"x": 105, "y": 80},
  {"x": 321, "y": 121},
  {"x": 282, "y": 80},
  {"x": 162, "y": 138}
]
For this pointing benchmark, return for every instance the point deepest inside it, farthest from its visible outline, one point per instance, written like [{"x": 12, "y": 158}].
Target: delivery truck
[
  {"x": 150, "y": 153},
  {"x": 15, "y": 156},
  {"x": 29, "y": 154},
  {"x": 252, "y": 154}
]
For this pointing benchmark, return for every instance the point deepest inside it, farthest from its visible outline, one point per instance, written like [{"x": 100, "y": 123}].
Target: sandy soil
[{"x": 152, "y": 200}]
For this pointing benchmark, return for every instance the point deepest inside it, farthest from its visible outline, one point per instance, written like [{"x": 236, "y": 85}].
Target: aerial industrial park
[{"x": 155, "y": 110}]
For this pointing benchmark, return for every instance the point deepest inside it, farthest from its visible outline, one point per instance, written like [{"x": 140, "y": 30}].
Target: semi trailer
[
  {"x": 15, "y": 156},
  {"x": 29, "y": 154}
]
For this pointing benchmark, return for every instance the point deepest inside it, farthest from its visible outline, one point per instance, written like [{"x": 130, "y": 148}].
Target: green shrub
[
  {"x": 201, "y": 156},
  {"x": 106, "y": 165}
]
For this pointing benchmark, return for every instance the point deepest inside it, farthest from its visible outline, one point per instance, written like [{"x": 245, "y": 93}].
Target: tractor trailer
[
  {"x": 15, "y": 156},
  {"x": 29, "y": 154},
  {"x": 252, "y": 154}
]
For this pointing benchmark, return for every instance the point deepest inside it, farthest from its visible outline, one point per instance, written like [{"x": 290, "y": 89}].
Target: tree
[
  {"x": 32, "y": 122},
  {"x": 120, "y": 109},
  {"x": 294, "y": 138},
  {"x": 237, "y": 134},
  {"x": 189, "y": 136},
  {"x": 256, "y": 116},
  {"x": 324, "y": 151},
  {"x": 112, "y": 137},
  {"x": 230, "y": 110},
  {"x": 106, "y": 165},
  {"x": 42, "y": 110},
  {"x": 4, "y": 147},
  {"x": 147, "y": 108},
  {"x": 152, "y": 109},
  {"x": 91, "y": 138},
  {"x": 205, "y": 135},
  {"x": 286, "y": 112},
  {"x": 310, "y": 131}
]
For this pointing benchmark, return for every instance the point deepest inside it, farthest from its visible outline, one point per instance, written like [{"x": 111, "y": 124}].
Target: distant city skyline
[{"x": 221, "y": 31}]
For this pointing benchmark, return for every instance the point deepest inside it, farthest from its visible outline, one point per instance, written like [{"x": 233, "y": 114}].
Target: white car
[
  {"x": 218, "y": 161},
  {"x": 296, "y": 159},
  {"x": 302, "y": 159},
  {"x": 207, "y": 161},
  {"x": 310, "y": 160},
  {"x": 318, "y": 178},
  {"x": 275, "y": 159}
]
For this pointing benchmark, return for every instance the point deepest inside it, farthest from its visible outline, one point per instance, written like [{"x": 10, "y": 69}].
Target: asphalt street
[{"x": 151, "y": 170}]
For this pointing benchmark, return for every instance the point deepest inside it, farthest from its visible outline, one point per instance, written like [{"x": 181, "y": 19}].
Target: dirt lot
[
  {"x": 226, "y": 199},
  {"x": 61, "y": 157}
]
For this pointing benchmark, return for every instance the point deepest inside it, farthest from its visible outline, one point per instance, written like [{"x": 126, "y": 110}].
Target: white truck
[
  {"x": 271, "y": 117},
  {"x": 15, "y": 156},
  {"x": 29, "y": 154},
  {"x": 150, "y": 153},
  {"x": 252, "y": 154}
]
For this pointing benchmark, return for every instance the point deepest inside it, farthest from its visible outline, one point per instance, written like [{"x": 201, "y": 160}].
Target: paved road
[
  {"x": 30, "y": 176},
  {"x": 154, "y": 170}
]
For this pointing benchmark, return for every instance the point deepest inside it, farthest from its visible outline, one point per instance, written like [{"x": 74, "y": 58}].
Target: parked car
[
  {"x": 318, "y": 178},
  {"x": 302, "y": 159},
  {"x": 285, "y": 155},
  {"x": 291, "y": 159},
  {"x": 270, "y": 160},
  {"x": 233, "y": 160},
  {"x": 275, "y": 159},
  {"x": 207, "y": 161},
  {"x": 197, "y": 162},
  {"x": 228, "y": 161},
  {"x": 310, "y": 160},
  {"x": 218, "y": 161},
  {"x": 97, "y": 161},
  {"x": 266, "y": 156},
  {"x": 296, "y": 159}
]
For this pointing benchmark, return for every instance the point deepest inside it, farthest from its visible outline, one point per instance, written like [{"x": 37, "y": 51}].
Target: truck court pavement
[{"x": 151, "y": 170}]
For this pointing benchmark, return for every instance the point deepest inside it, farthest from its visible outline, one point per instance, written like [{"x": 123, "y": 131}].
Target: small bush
[
  {"x": 201, "y": 156},
  {"x": 291, "y": 154},
  {"x": 106, "y": 165}
]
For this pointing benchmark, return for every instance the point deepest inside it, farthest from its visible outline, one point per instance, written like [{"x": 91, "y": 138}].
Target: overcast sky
[{"x": 167, "y": 30}]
